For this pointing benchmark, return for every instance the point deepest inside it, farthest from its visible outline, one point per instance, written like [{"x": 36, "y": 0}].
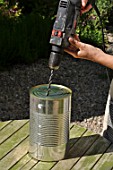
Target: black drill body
[{"x": 64, "y": 27}]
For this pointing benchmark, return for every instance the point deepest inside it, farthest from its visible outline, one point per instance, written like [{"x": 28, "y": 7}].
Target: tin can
[{"x": 49, "y": 122}]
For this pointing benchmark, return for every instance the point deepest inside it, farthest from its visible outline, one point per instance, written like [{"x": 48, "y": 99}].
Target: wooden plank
[
  {"x": 78, "y": 149},
  {"x": 90, "y": 145},
  {"x": 83, "y": 144},
  {"x": 3, "y": 124},
  {"x": 43, "y": 166},
  {"x": 71, "y": 125},
  {"x": 75, "y": 133},
  {"x": 92, "y": 155},
  {"x": 29, "y": 164},
  {"x": 14, "y": 140},
  {"x": 15, "y": 155},
  {"x": 19, "y": 165},
  {"x": 26, "y": 162},
  {"x": 10, "y": 129},
  {"x": 65, "y": 164},
  {"x": 106, "y": 161}
]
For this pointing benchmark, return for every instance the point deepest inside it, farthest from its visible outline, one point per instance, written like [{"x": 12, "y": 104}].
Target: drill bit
[{"x": 50, "y": 82}]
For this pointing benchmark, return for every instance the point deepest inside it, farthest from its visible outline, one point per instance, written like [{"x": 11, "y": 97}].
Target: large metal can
[{"x": 49, "y": 122}]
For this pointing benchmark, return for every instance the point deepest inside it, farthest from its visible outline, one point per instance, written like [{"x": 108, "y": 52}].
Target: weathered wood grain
[
  {"x": 93, "y": 154},
  {"x": 10, "y": 129},
  {"x": 43, "y": 166},
  {"x": 23, "y": 161},
  {"x": 3, "y": 124},
  {"x": 85, "y": 150},
  {"x": 14, "y": 140},
  {"x": 15, "y": 155},
  {"x": 29, "y": 165},
  {"x": 77, "y": 149},
  {"x": 75, "y": 133},
  {"x": 82, "y": 145},
  {"x": 106, "y": 161}
]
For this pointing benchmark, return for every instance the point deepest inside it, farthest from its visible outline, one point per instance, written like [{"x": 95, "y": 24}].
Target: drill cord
[{"x": 103, "y": 39}]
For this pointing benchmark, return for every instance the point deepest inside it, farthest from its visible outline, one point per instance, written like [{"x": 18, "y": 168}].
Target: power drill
[{"x": 64, "y": 26}]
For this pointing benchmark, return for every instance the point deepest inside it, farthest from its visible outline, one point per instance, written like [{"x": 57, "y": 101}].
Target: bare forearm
[
  {"x": 89, "y": 52},
  {"x": 105, "y": 59}
]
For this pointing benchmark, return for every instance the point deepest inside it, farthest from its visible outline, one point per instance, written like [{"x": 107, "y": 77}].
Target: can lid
[{"x": 56, "y": 91}]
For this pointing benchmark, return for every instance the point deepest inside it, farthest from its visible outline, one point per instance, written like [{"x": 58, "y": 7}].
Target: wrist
[
  {"x": 105, "y": 59},
  {"x": 99, "y": 56}
]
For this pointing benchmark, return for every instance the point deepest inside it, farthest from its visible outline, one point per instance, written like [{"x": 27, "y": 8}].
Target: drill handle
[
  {"x": 76, "y": 18},
  {"x": 72, "y": 19},
  {"x": 78, "y": 5}
]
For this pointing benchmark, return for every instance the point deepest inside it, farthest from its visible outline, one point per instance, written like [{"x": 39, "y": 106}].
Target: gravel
[{"x": 87, "y": 80}]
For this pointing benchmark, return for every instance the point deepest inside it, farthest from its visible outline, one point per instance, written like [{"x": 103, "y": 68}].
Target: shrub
[
  {"x": 43, "y": 7},
  {"x": 25, "y": 39},
  {"x": 89, "y": 26}
]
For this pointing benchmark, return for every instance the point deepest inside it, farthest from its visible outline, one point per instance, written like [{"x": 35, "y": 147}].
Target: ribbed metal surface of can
[{"x": 49, "y": 122}]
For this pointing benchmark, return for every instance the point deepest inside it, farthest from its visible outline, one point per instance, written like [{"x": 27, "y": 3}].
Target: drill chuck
[{"x": 54, "y": 60}]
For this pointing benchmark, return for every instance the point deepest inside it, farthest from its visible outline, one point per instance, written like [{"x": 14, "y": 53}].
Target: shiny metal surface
[
  {"x": 56, "y": 91},
  {"x": 47, "y": 153},
  {"x": 49, "y": 122}
]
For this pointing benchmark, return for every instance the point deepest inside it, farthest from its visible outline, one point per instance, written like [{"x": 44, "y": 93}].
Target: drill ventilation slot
[{"x": 63, "y": 4}]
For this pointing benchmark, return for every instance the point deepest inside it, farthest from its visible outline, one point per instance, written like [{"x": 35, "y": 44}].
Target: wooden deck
[{"x": 88, "y": 151}]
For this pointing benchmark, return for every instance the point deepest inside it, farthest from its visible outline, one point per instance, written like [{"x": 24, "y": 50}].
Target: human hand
[
  {"x": 84, "y": 2},
  {"x": 84, "y": 7},
  {"x": 84, "y": 51}
]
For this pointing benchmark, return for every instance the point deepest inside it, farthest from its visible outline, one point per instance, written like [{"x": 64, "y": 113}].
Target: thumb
[
  {"x": 84, "y": 2},
  {"x": 76, "y": 43}
]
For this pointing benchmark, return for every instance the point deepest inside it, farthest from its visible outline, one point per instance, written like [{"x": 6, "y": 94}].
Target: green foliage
[
  {"x": 1, "y": 1},
  {"x": 25, "y": 39},
  {"x": 90, "y": 29},
  {"x": 43, "y": 7},
  {"x": 47, "y": 8},
  {"x": 11, "y": 12}
]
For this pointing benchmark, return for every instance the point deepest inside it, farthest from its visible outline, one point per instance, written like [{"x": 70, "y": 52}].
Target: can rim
[{"x": 49, "y": 97}]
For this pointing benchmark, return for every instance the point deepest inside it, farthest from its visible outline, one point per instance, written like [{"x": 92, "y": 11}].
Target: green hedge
[
  {"x": 43, "y": 7},
  {"x": 25, "y": 39},
  {"x": 89, "y": 28}
]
